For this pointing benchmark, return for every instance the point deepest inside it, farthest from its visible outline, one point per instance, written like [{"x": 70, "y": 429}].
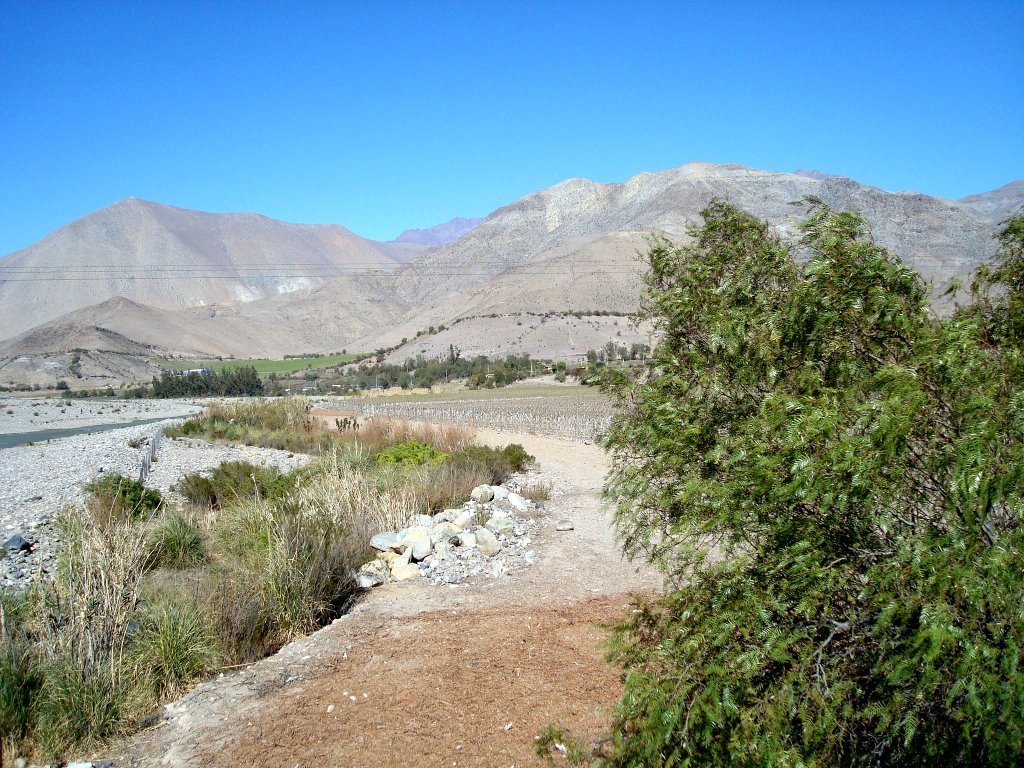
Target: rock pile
[{"x": 488, "y": 535}]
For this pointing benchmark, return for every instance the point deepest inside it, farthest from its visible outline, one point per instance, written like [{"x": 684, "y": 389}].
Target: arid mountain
[
  {"x": 996, "y": 205},
  {"x": 440, "y": 234},
  {"x": 570, "y": 248},
  {"x": 171, "y": 258}
]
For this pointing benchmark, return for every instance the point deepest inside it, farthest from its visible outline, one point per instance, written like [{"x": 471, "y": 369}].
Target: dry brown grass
[{"x": 376, "y": 434}]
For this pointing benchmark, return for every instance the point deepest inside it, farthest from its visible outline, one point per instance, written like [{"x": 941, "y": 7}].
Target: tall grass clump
[
  {"x": 172, "y": 649},
  {"x": 21, "y": 673},
  {"x": 176, "y": 542},
  {"x": 86, "y": 615}
]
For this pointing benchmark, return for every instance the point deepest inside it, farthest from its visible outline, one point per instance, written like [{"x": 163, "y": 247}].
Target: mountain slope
[{"x": 172, "y": 258}]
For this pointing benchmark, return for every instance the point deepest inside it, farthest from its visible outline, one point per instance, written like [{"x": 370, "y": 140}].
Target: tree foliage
[{"x": 830, "y": 478}]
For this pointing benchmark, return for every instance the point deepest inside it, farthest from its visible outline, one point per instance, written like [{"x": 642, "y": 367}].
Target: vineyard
[{"x": 582, "y": 415}]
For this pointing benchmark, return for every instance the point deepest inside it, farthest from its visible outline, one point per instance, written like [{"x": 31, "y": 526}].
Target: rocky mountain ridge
[{"x": 570, "y": 248}]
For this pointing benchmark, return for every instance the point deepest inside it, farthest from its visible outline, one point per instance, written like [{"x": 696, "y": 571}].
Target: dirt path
[{"x": 463, "y": 675}]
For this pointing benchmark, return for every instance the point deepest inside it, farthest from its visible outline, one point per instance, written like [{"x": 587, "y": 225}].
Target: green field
[{"x": 263, "y": 366}]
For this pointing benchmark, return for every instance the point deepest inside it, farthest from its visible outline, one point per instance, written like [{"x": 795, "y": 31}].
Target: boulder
[
  {"x": 372, "y": 574},
  {"x": 518, "y": 502},
  {"x": 424, "y": 521},
  {"x": 487, "y": 543},
  {"x": 442, "y": 532},
  {"x": 387, "y": 557},
  {"x": 464, "y": 518},
  {"x": 482, "y": 494},
  {"x": 500, "y": 525},
  {"x": 442, "y": 550},
  {"x": 446, "y": 516},
  {"x": 467, "y": 540},
  {"x": 500, "y": 492},
  {"x": 404, "y": 572},
  {"x": 384, "y": 541},
  {"x": 420, "y": 549}
]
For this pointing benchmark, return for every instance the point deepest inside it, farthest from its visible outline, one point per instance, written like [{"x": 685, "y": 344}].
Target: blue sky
[{"x": 382, "y": 116}]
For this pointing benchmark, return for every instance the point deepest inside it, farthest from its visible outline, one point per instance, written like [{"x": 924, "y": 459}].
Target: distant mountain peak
[{"x": 439, "y": 234}]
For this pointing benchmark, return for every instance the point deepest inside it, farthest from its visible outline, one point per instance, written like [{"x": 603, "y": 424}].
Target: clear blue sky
[{"x": 382, "y": 116}]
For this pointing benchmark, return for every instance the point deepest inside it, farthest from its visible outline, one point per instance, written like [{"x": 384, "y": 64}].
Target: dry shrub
[
  {"x": 376, "y": 434},
  {"x": 537, "y": 491}
]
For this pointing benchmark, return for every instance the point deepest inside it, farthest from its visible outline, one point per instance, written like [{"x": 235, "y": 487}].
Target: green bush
[
  {"x": 831, "y": 479},
  {"x": 235, "y": 480},
  {"x": 176, "y": 543},
  {"x": 116, "y": 497},
  {"x": 411, "y": 454},
  {"x": 497, "y": 463}
]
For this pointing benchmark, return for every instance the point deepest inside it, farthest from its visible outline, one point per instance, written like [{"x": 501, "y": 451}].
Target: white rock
[
  {"x": 500, "y": 525},
  {"x": 372, "y": 574},
  {"x": 482, "y": 493},
  {"x": 422, "y": 520},
  {"x": 442, "y": 532},
  {"x": 404, "y": 572},
  {"x": 464, "y": 518},
  {"x": 564, "y": 525},
  {"x": 518, "y": 502},
  {"x": 487, "y": 543},
  {"x": 467, "y": 540},
  {"x": 420, "y": 549},
  {"x": 500, "y": 492},
  {"x": 384, "y": 541}
]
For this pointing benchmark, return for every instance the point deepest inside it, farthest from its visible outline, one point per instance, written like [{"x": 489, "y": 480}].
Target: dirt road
[{"x": 415, "y": 674}]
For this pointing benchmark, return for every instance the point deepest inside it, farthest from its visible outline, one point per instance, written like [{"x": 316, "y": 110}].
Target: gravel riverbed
[
  {"x": 38, "y": 480},
  {"x": 27, "y": 414}
]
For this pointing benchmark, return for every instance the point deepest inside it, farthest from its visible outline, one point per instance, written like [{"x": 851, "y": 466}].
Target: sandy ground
[{"x": 463, "y": 675}]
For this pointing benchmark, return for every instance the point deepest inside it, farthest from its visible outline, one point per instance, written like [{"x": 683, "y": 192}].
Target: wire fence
[{"x": 150, "y": 455}]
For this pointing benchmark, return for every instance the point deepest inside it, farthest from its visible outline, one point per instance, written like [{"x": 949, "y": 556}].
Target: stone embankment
[{"x": 490, "y": 535}]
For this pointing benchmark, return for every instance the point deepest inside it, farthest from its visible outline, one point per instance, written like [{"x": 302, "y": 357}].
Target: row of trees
[
  {"x": 830, "y": 478},
  {"x": 231, "y": 382}
]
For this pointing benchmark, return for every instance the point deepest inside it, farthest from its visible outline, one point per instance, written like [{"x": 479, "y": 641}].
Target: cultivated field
[
  {"x": 580, "y": 413},
  {"x": 263, "y": 366}
]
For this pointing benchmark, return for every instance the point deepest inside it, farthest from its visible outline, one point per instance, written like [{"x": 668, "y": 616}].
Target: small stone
[
  {"x": 384, "y": 541},
  {"x": 518, "y": 502},
  {"x": 464, "y": 518},
  {"x": 482, "y": 493},
  {"x": 467, "y": 540},
  {"x": 564, "y": 525},
  {"x": 17, "y": 543},
  {"x": 20, "y": 762},
  {"x": 487, "y": 543}
]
